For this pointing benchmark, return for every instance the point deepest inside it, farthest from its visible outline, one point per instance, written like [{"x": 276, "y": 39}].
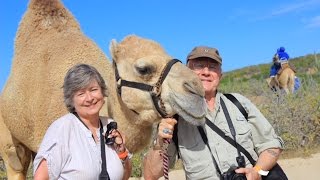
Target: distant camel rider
[
  {"x": 280, "y": 62},
  {"x": 280, "y": 59}
]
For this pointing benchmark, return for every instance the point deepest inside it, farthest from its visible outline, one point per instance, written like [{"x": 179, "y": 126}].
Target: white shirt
[{"x": 71, "y": 152}]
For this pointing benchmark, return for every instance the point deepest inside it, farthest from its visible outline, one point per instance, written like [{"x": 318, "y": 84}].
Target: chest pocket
[
  {"x": 194, "y": 153},
  {"x": 228, "y": 153},
  {"x": 241, "y": 125},
  {"x": 242, "y": 129}
]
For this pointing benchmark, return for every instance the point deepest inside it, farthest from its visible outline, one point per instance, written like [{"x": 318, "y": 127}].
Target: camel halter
[{"x": 155, "y": 90}]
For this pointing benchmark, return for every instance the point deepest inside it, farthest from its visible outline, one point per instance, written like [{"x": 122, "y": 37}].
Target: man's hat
[{"x": 204, "y": 51}]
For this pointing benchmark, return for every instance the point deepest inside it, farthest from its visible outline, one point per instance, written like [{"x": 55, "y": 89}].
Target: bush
[{"x": 296, "y": 117}]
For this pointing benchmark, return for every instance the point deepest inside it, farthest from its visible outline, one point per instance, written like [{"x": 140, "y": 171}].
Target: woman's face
[{"x": 89, "y": 100}]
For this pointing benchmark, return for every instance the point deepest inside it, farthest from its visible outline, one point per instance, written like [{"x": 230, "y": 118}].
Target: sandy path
[
  {"x": 302, "y": 168},
  {"x": 295, "y": 168}
]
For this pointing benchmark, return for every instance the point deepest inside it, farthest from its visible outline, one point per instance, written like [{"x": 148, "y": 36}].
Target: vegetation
[{"x": 296, "y": 117}]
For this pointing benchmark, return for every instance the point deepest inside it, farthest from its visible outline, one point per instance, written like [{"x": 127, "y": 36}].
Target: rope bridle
[{"x": 155, "y": 90}]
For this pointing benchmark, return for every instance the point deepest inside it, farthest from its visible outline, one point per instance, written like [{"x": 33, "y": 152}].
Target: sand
[{"x": 295, "y": 168}]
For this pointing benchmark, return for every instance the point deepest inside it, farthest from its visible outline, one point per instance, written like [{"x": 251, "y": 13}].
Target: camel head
[
  {"x": 276, "y": 59},
  {"x": 158, "y": 81}
]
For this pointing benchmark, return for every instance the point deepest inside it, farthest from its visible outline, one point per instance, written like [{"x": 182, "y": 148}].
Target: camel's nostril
[{"x": 194, "y": 88}]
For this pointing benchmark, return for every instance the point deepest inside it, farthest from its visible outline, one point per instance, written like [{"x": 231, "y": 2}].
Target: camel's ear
[{"x": 113, "y": 49}]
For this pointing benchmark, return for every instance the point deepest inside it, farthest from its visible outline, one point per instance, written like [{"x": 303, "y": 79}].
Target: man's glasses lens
[{"x": 201, "y": 65}]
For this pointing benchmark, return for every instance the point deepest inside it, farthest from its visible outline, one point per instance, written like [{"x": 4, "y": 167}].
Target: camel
[
  {"x": 48, "y": 42},
  {"x": 284, "y": 79}
]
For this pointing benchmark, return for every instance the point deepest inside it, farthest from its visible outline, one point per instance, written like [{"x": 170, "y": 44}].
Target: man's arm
[
  {"x": 152, "y": 165},
  {"x": 267, "y": 159}
]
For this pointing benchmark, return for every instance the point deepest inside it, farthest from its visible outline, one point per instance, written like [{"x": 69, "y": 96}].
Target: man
[{"x": 204, "y": 161}]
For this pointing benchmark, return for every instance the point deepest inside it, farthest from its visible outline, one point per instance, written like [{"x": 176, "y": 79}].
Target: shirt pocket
[
  {"x": 228, "y": 153},
  {"x": 243, "y": 131},
  {"x": 241, "y": 125},
  {"x": 191, "y": 145},
  {"x": 197, "y": 162}
]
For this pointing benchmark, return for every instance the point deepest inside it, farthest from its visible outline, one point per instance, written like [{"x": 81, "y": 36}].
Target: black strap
[
  {"x": 203, "y": 136},
  {"x": 104, "y": 175},
  {"x": 137, "y": 85},
  {"x": 230, "y": 140},
  {"x": 230, "y": 124},
  {"x": 154, "y": 90},
  {"x": 235, "y": 101},
  {"x": 222, "y": 134},
  {"x": 205, "y": 140},
  {"x": 167, "y": 69}
]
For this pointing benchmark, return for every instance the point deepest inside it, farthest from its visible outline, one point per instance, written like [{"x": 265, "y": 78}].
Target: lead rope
[{"x": 165, "y": 158}]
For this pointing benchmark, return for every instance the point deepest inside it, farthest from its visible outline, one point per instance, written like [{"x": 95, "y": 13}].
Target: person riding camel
[{"x": 280, "y": 62}]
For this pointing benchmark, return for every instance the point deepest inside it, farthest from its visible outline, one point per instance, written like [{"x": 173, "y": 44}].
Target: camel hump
[{"x": 46, "y": 15}]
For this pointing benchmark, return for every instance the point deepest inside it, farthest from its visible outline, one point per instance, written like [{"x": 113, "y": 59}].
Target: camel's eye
[{"x": 145, "y": 70}]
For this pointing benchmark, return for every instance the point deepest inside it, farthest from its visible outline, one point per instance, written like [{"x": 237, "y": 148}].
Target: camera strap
[
  {"x": 205, "y": 140},
  {"x": 231, "y": 127},
  {"x": 227, "y": 138},
  {"x": 231, "y": 141},
  {"x": 104, "y": 175}
]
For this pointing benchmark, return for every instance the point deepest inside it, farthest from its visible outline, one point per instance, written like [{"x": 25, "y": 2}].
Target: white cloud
[
  {"x": 290, "y": 8},
  {"x": 295, "y": 7},
  {"x": 314, "y": 22}
]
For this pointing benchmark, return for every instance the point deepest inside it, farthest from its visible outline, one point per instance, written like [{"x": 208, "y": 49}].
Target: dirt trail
[
  {"x": 295, "y": 168},
  {"x": 302, "y": 168}
]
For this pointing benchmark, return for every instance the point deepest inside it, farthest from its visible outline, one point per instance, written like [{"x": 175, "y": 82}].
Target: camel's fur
[
  {"x": 48, "y": 42},
  {"x": 284, "y": 80}
]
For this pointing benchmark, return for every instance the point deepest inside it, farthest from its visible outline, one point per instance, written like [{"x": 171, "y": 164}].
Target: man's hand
[
  {"x": 250, "y": 173},
  {"x": 166, "y": 128}
]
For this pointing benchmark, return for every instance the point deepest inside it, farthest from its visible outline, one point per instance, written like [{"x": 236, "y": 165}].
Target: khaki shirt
[{"x": 255, "y": 134}]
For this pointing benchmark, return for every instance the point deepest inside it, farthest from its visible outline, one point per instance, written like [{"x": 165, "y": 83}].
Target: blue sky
[{"x": 245, "y": 32}]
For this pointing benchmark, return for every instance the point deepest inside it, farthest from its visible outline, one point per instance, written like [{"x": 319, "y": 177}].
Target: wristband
[
  {"x": 260, "y": 171},
  {"x": 257, "y": 168},
  {"x": 123, "y": 155}
]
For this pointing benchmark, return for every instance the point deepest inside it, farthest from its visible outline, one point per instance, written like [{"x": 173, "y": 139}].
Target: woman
[{"x": 71, "y": 147}]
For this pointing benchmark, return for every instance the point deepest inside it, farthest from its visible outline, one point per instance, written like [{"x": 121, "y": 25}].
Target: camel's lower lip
[{"x": 195, "y": 110}]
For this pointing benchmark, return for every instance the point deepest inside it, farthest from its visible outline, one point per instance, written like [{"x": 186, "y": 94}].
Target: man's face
[{"x": 209, "y": 72}]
